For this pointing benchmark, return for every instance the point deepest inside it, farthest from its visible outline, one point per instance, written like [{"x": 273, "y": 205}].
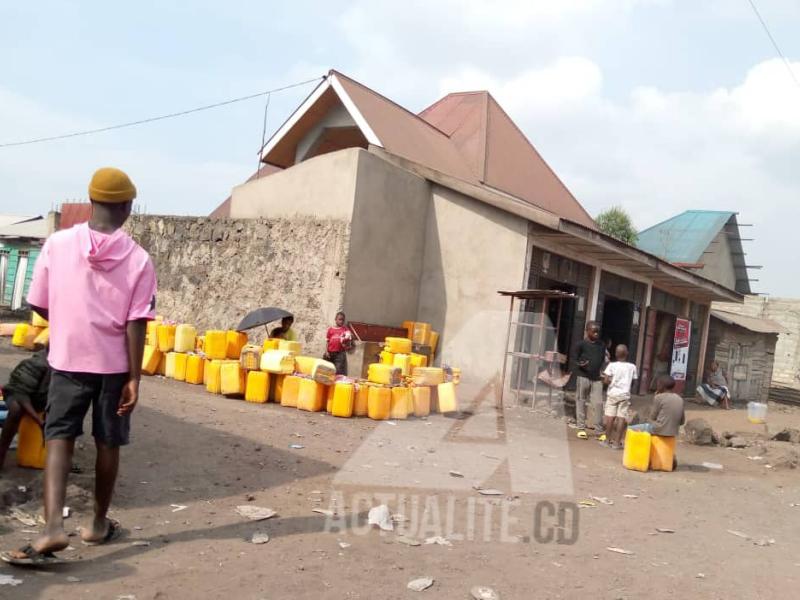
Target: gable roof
[
  {"x": 467, "y": 136},
  {"x": 685, "y": 238},
  {"x": 682, "y": 239},
  {"x": 500, "y": 155}
]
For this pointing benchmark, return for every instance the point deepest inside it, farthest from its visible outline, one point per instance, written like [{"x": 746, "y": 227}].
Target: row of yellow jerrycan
[
  {"x": 645, "y": 451},
  {"x": 343, "y": 399},
  {"x": 30, "y": 335},
  {"x": 347, "y": 399}
]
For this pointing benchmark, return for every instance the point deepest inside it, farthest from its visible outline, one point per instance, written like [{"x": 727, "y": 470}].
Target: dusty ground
[{"x": 208, "y": 453}]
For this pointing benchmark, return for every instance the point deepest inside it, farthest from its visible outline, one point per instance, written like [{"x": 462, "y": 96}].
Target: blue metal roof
[{"x": 684, "y": 237}]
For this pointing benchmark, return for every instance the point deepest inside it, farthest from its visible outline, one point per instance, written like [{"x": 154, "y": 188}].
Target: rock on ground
[
  {"x": 699, "y": 432},
  {"x": 789, "y": 434}
]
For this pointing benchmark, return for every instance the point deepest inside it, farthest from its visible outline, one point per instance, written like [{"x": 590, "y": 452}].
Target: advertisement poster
[{"x": 680, "y": 349}]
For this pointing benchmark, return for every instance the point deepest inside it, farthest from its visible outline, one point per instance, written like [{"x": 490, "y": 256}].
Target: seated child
[
  {"x": 26, "y": 393},
  {"x": 666, "y": 414}
]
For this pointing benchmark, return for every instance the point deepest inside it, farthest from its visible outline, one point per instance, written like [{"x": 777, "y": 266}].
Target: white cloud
[
  {"x": 568, "y": 82},
  {"x": 767, "y": 102},
  {"x": 661, "y": 152}
]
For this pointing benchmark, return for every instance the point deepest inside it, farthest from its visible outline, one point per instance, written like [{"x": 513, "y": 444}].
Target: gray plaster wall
[
  {"x": 323, "y": 187},
  {"x": 717, "y": 261},
  {"x": 472, "y": 250},
  {"x": 211, "y": 272},
  {"x": 387, "y": 243}
]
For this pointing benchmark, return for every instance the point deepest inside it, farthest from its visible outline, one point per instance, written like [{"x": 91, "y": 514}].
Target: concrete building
[
  {"x": 443, "y": 209},
  {"x": 21, "y": 240}
]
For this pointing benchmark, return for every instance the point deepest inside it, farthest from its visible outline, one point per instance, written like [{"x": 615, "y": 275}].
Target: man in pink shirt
[{"x": 97, "y": 288}]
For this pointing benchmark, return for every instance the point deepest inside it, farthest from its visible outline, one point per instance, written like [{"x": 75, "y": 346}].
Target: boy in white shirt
[{"x": 619, "y": 376}]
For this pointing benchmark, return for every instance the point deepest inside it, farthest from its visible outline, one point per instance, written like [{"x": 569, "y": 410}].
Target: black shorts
[
  {"x": 70, "y": 396},
  {"x": 37, "y": 401}
]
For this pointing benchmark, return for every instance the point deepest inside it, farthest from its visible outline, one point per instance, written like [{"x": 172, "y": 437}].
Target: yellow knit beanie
[{"x": 112, "y": 186}]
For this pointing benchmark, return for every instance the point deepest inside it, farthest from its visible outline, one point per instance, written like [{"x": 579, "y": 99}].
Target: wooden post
[
  {"x": 505, "y": 351},
  {"x": 703, "y": 344},
  {"x": 643, "y": 325}
]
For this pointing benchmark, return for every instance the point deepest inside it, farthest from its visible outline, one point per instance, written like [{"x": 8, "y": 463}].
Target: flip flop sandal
[
  {"x": 114, "y": 531},
  {"x": 582, "y": 435},
  {"x": 30, "y": 557},
  {"x": 602, "y": 438}
]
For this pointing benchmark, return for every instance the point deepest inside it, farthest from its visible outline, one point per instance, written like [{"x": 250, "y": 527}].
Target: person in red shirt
[{"x": 340, "y": 340}]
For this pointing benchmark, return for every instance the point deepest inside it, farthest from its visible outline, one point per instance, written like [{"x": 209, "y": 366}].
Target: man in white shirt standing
[{"x": 619, "y": 376}]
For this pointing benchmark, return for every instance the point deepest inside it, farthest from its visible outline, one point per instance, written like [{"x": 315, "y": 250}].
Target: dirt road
[{"x": 210, "y": 454}]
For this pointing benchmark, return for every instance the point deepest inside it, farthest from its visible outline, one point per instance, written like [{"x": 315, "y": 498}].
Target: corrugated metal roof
[
  {"x": 34, "y": 229},
  {"x": 11, "y": 219},
  {"x": 752, "y": 323},
  {"x": 684, "y": 237}
]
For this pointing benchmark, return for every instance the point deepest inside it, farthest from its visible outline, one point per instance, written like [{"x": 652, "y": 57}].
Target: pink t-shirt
[{"x": 92, "y": 284}]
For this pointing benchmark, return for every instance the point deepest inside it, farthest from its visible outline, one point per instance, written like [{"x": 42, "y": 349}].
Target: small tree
[{"x": 617, "y": 223}]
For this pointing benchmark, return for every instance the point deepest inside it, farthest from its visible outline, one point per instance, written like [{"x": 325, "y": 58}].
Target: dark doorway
[{"x": 617, "y": 323}]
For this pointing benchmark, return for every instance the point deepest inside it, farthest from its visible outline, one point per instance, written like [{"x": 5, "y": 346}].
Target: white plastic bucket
[{"x": 756, "y": 412}]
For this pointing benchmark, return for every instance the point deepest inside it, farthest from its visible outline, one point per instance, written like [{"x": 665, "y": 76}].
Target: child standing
[
  {"x": 339, "y": 342},
  {"x": 589, "y": 356},
  {"x": 97, "y": 288},
  {"x": 25, "y": 394},
  {"x": 619, "y": 376}
]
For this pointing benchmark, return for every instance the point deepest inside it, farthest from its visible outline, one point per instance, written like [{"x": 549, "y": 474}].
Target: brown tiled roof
[{"x": 224, "y": 210}]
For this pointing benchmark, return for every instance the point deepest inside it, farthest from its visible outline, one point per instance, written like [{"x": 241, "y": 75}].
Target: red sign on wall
[{"x": 680, "y": 349}]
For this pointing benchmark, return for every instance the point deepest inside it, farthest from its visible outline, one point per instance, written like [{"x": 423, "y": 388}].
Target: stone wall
[{"x": 211, "y": 272}]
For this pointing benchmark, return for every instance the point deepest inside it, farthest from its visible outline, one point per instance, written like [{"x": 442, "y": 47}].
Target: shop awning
[
  {"x": 604, "y": 250},
  {"x": 754, "y": 324}
]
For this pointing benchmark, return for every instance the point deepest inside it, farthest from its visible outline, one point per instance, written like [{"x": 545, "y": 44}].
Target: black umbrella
[{"x": 262, "y": 316}]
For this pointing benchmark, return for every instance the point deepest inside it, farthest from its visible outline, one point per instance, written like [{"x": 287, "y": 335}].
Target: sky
[{"x": 657, "y": 106}]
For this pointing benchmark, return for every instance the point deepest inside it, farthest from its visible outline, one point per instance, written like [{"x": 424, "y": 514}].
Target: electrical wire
[
  {"x": 263, "y": 136},
  {"x": 774, "y": 43},
  {"x": 158, "y": 118}
]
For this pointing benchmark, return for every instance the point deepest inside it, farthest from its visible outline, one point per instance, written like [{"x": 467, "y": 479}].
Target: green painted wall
[{"x": 13, "y": 249}]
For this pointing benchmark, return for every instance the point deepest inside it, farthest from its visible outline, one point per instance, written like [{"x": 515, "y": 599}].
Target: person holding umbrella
[
  {"x": 285, "y": 331},
  {"x": 261, "y": 317}
]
